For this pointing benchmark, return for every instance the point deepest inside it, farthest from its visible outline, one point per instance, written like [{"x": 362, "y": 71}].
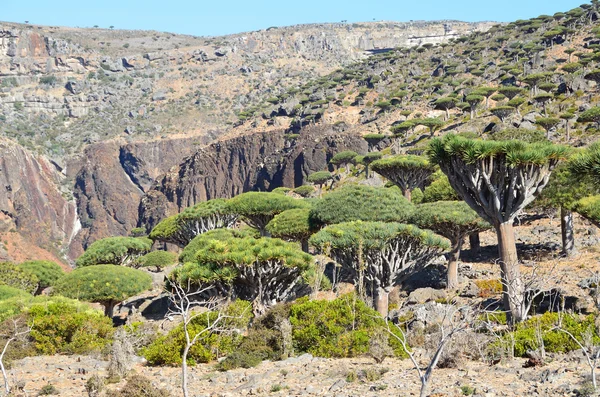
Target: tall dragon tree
[
  {"x": 379, "y": 254},
  {"x": 498, "y": 179},
  {"x": 586, "y": 165},
  {"x": 405, "y": 171}
]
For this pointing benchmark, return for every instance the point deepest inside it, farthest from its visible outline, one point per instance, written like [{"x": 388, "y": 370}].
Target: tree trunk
[
  {"x": 472, "y": 113},
  {"x": 407, "y": 194},
  {"x": 184, "y": 377},
  {"x": 109, "y": 308},
  {"x": 512, "y": 285},
  {"x": 382, "y": 301},
  {"x": 568, "y": 132},
  {"x": 566, "y": 228},
  {"x": 304, "y": 243},
  {"x": 475, "y": 242},
  {"x": 452, "y": 279}
]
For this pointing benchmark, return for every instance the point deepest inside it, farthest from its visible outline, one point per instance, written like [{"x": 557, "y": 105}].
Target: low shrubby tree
[
  {"x": 591, "y": 115},
  {"x": 547, "y": 123},
  {"x": 563, "y": 190},
  {"x": 359, "y": 202},
  {"x": 405, "y": 171},
  {"x": 498, "y": 179},
  {"x": 369, "y": 158},
  {"x": 262, "y": 270},
  {"x": 17, "y": 277},
  {"x": 343, "y": 159},
  {"x": 502, "y": 112},
  {"x": 9, "y": 335},
  {"x": 104, "y": 284},
  {"x": 446, "y": 103},
  {"x": 180, "y": 229},
  {"x": 293, "y": 225},
  {"x": 47, "y": 272},
  {"x": 319, "y": 178},
  {"x": 432, "y": 123},
  {"x": 474, "y": 101},
  {"x": 378, "y": 254},
  {"x": 304, "y": 190},
  {"x": 258, "y": 208},
  {"x": 454, "y": 220},
  {"x": 114, "y": 251},
  {"x": 156, "y": 259}
]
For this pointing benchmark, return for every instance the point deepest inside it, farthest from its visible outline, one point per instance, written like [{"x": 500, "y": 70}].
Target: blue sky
[{"x": 214, "y": 17}]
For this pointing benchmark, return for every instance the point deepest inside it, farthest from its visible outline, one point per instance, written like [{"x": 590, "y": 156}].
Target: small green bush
[
  {"x": 61, "y": 327},
  {"x": 338, "y": 328},
  {"x": 139, "y": 386},
  {"x": 7, "y": 292},
  {"x": 48, "y": 390},
  {"x": 13, "y": 276},
  {"x": 304, "y": 190},
  {"x": 555, "y": 341},
  {"x": 168, "y": 349}
]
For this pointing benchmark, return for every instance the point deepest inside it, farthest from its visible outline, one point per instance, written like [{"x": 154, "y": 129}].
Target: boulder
[{"x": 423, "y": 295}]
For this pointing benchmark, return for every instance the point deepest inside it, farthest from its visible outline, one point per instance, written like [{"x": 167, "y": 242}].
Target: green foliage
[
  {"x": 168, "y": 349},
  {"x": 48, "y": 390},
  {"x": 16, "y": 277},
  {"x": 564, "y": 189},
  {"x": 291, "y": 225},
  {"x": 319, "y": 177},
  {"x": 264, "y": 341},
  {"x": 105, "y": 284},
  {"x": 517, "y": 152},
  {"x": 258, "y": 208},
  {"x": 342, "y": 158},
  {"x": 189, "y": 252},
  {"x": 114, "y": 251},
  {"x": 586, "y": 163},
  {"x": 304, "y": 190},
  {"x": 158, "y": 259},
  {"x": 439, "y": 190},
  {"x": 589, "y": 207},
  {"x": 555, "y": 341},
  {"x": 521, "y": 134},
  {"x": 502, "y": 112},
  {"x": 47, "y": 272},
  {"x": 451, "y": 219},
  {"x": 359, "y": 202},
  {"x": 180, "y": 229},
  {"x": 338, "y": 328},
  {"x": 66, "y": 327},
  {"x": 7, "y": 292},
  {"x": 547, "y": 123},
  {"x": 373, "y": 236},
  {"x": 257, "y": 269}
]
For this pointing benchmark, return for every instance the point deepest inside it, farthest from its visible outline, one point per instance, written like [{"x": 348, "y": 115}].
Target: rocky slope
[{"x": 66, "y": 88}]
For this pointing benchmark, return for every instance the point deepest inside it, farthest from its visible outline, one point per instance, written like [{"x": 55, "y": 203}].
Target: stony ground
[{"x": 307, "y": 375}]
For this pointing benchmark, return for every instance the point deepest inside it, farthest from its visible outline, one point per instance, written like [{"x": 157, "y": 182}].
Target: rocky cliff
[
  {"x": 261, "y": 161},
  {"x": 34, "y": 200}
]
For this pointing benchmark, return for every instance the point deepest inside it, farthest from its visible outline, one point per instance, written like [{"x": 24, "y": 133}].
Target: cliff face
[
  {"x": 32, "y": 202},
  {"x": 261, "y": 161},
  {"x": 110, "y": 179}
]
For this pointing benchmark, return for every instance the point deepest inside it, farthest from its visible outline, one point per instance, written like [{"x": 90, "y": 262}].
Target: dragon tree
[
  {"x": 180, "y": 229},
  {"x": 405, "y": 171},
  {"x": 497, "y": 179},
  {"x": 453, "y": 220},
  {"x": 379, "y": 254}
]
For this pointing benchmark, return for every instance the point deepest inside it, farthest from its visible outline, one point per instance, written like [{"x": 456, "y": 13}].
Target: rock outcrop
[
  {"x": 261, "y": 161},
  {"x": 33, "y": 201}
]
